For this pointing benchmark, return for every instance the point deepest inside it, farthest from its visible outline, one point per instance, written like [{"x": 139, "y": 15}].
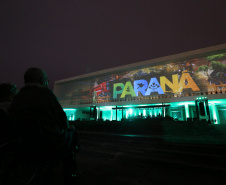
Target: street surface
[{"x": 117, "y": 159}]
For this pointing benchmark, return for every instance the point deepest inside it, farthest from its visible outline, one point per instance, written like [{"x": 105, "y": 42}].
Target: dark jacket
[{"x": 39, "y": 103}]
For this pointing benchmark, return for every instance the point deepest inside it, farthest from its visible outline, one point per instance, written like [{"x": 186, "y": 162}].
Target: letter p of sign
[{"x": 117, "y": 89}]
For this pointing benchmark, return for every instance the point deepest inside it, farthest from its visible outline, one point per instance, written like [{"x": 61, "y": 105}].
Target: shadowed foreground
[
  {"x": 160, "y": 154},
  {"x": 144, "y": 153}
]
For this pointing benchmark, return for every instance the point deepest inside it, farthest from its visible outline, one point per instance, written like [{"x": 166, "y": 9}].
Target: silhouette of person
[
  {"x": 7, "y": 143},
  {"x": 7, "y": 93},
  {"x": 35, "y": 101}
]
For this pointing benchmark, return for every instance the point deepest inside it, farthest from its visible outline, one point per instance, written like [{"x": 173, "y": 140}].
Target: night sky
[{"x": 72, "y": 37}]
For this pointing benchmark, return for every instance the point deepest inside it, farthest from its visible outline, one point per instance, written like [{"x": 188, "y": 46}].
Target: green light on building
[
  {"x": 70, "y": 113},
  {"x": 144, "y": 112}
]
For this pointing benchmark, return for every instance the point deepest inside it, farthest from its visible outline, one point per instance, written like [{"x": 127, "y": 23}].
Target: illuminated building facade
[{"x": 186, "y": 86}]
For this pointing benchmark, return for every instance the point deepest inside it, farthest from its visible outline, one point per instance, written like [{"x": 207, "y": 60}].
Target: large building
[{"x": 185, "y": 86}]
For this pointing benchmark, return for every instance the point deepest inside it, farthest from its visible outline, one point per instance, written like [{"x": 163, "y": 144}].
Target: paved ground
[
  {"x": 157, "y": 155},
  {"x": 148, "y": 160}
]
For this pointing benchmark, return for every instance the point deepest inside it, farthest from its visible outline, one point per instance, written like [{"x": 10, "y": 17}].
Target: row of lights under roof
[{"x": 201, "y": 98}]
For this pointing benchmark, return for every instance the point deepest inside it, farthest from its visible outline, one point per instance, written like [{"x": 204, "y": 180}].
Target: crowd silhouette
[{"x": 36, "y": 138}]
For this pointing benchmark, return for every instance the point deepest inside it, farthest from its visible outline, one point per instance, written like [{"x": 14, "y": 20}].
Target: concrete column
[
  {"x": 89, "y": 113},
  {"x": 116, "y": 114},
  {"x": 182, "y": 113},
  {"x": 187, "y": 111},
  {"x": 98, "y": 112},
  {"x": 215, "y": 114}
]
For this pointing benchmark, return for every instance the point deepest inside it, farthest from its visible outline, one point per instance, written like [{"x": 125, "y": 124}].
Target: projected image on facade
[{"x": 207, "y": 74}]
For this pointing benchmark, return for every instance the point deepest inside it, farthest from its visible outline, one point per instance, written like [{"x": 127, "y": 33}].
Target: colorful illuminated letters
[
  {"x": 154, "y": 86},
  {"x": 117, "y": 89},
  {"x": 146, "y": 89},
  {"x": 128, "y": 89},
  {"x": 140, "y": 86}
]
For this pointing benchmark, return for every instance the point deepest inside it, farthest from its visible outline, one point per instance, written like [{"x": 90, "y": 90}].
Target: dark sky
[{"x": 70, "y": 37}]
